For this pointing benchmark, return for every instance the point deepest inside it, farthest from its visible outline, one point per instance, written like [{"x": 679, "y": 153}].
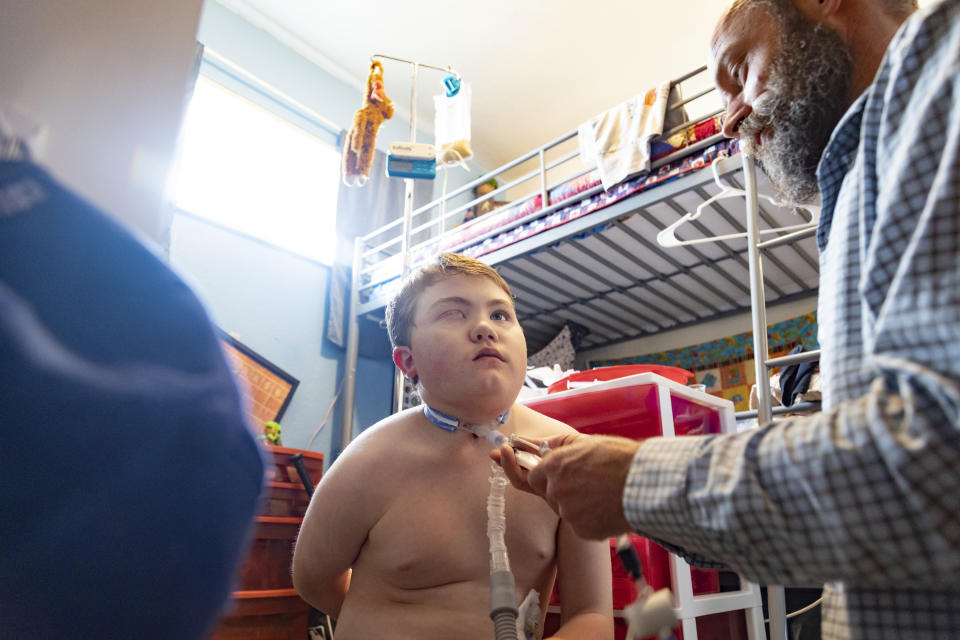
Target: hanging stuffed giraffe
[{"x": 362, "y": 137}]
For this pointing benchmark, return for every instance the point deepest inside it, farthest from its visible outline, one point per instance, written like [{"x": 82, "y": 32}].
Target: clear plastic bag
[{"x": 452, "y": 127}]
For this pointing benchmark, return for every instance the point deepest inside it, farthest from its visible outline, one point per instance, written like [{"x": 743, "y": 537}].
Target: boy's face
[{"x": 467, "y": 348}]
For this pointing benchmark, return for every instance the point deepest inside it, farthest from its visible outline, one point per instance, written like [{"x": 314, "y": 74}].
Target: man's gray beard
[{"x": 805, "y": 98}]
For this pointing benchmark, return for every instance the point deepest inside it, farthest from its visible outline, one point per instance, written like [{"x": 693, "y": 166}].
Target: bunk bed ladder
[{"x": 776, "y": 604}]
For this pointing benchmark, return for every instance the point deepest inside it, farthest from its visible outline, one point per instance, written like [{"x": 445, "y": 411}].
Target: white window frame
[
  {"x": 236, "y": 80},
  {"x": 221, "y": 70}
]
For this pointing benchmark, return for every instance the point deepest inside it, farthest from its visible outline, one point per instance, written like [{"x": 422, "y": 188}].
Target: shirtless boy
[{"x": 394, "y": 541}]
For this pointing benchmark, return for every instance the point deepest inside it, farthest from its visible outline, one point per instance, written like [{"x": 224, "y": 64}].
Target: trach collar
[{"x": 451, "y": 423}]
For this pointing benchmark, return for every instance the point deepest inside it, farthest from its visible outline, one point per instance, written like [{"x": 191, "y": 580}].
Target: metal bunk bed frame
[
  {"x": 371, "y": 253},
  {"x": 776, "y": 603}
]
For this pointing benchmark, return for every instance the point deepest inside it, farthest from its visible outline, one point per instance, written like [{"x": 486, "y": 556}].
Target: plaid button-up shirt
[{"x": 864, "y": 496}]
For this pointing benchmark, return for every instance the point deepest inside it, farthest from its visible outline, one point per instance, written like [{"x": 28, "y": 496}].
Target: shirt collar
[{"x": 835, "y": 163}]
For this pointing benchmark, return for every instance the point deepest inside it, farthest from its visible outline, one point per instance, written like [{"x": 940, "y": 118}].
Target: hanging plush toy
[{"x": 359, "y": 145}]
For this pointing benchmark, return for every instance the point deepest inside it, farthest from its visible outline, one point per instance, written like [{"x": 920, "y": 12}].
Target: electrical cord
[
  {"x": 326, "y": 416},
  {"x": 794, "y": 614}
]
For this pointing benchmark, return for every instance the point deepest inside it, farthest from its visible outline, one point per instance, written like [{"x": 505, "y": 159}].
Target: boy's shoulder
[
  {"x": 400, "y": 435},
  {"x": 532, "y": 423},
  {"x": 388, "y": 431}
]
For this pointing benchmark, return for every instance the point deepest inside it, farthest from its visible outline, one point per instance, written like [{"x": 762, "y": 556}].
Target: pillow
[{"x": 559, "y": 351}]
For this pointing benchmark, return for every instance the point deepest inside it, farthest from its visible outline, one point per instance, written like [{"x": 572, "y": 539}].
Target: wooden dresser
[{"x": 265, "y": 605}]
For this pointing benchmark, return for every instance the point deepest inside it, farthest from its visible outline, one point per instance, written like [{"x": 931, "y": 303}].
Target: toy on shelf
[
  {"x": 271, "y": 433},
  {"x": 487, "y": 205},
  {"x": 362, "y": 137}
]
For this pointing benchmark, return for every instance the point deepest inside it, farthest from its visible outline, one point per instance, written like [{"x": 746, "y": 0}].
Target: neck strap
[{"x": 450, "y": 423}]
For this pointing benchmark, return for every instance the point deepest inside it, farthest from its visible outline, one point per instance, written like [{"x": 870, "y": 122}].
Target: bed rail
[{"x": 380, "y": 256}]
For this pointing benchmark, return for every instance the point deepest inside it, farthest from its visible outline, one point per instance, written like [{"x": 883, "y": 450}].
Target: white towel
[{"x": 618, "y": 140}]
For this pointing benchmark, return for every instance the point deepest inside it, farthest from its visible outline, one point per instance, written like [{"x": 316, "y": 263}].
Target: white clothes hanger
[{"x": 668, "y": 238}]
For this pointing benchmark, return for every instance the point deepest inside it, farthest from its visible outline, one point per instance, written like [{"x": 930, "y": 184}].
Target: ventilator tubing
[
  {"x": 503, "y": 593},
  {"x": 503, "y": 605},
  {"x": 493, "y": 436},
  {"x": 497, "y": 523}
]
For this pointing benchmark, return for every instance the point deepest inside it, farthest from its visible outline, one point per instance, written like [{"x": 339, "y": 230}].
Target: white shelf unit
[{"x": 687, "y": 606}]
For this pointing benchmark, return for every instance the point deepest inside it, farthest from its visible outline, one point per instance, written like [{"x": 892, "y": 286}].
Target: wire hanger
[{"x": 667, "y": 237}]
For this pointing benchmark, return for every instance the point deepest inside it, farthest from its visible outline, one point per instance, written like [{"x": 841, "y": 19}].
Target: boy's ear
[{"x": 403, "y": 358}]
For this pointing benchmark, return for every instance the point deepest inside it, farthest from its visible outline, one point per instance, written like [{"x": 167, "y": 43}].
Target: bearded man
[{"x": 855, "y": 100}]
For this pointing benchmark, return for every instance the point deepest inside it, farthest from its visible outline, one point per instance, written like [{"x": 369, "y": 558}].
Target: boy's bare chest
[{"x": 433, "y": 529}]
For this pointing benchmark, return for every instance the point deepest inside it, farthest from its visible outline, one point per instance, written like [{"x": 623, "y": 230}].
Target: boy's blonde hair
[{"x": 403, "y": 305}]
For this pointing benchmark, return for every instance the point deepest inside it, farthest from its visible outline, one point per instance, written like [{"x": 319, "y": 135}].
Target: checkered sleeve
[{"x": 864, "y": 492}]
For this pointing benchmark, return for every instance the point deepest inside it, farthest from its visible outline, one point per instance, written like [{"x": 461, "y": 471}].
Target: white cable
[
  {"x": 327, "y": 414},
  {"x": 815, "y": 603}
]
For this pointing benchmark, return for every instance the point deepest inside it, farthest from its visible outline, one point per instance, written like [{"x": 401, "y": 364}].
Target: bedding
[
  {"x": 506, "y": 217},
  {"x": 688, "y": 136},
  {"x": 562, "y": 350},
  {"x": 597, "y": 201}
]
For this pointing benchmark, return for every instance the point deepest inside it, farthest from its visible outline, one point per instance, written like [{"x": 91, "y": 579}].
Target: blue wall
[
  {"x": 275, "y": 302},
  {"x": 271, "y": 300}
]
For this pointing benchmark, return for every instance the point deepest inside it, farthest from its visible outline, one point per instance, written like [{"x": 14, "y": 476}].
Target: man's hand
[{"x": 581, "y": 478}]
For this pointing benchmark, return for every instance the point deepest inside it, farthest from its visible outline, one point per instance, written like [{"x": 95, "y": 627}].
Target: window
[{"x": 258, "y": 165}]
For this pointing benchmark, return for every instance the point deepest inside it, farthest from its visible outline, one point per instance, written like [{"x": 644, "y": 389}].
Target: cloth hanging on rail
[{"x": 618, "y": 140}]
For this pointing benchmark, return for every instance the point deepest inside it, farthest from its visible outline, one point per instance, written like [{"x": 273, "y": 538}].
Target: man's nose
[{"x": 733, "y": 117}]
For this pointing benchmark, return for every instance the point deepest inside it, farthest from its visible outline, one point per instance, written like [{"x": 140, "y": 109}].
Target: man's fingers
[
  {"x": 517, "y": 476},
  {"x": 545, "y": 490},
  {"x": 561, "y": 440}
]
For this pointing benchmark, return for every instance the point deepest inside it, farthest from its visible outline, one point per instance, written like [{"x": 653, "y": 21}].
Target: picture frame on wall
[{"x": 267, "y": 389}]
